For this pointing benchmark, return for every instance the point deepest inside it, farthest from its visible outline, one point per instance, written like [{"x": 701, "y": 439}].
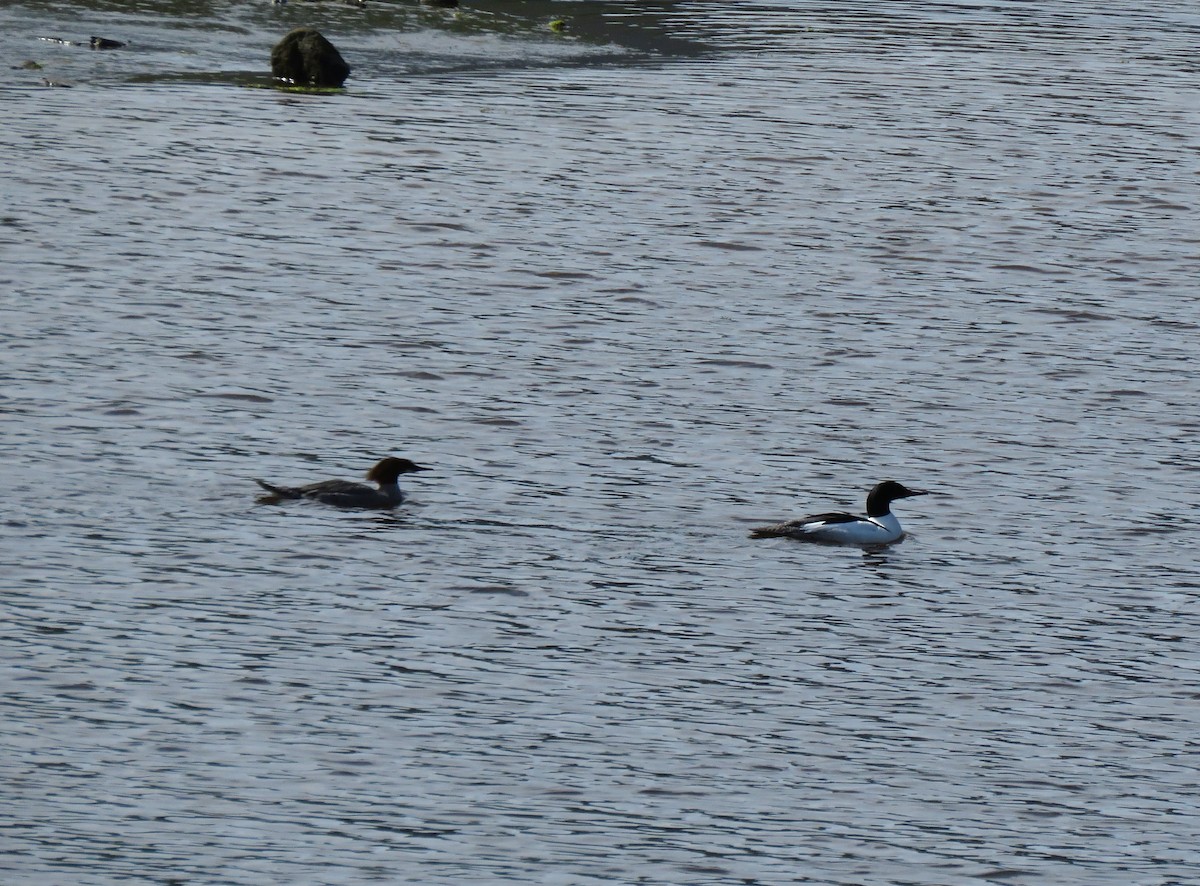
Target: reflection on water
[{"x": 629, "y": 296}]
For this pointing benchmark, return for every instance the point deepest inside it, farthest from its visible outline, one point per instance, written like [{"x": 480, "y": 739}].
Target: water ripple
[{"x": 628, "y": 298}]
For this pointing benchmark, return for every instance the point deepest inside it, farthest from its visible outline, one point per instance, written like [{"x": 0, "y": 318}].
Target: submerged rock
[{"x": 306, "y": 58}]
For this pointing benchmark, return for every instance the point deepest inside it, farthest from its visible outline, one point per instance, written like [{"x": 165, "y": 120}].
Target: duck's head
[
  {"x": 388, "y": 470},
  {"x": 880, "y": 499}
]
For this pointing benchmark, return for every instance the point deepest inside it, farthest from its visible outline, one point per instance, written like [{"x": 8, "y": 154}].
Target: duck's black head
[
  {"x": 879, "y": 501},
  {"x": 388, "y": 470}
]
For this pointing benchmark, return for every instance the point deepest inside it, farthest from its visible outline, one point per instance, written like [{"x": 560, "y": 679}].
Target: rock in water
[{"x": 306, "y": 58}]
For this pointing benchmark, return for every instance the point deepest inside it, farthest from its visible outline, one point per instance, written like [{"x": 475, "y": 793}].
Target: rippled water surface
[{"x": 631, "y": 290}]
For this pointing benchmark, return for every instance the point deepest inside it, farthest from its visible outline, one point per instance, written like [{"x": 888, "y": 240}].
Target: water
[{"x": 630, "y": 291}]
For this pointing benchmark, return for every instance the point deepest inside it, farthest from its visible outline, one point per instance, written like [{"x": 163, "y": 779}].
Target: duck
[
  {"x": 878, "y": 527},
  {"x": 346, "y": 493}
]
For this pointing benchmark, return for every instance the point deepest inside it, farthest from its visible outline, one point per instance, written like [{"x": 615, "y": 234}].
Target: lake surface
[{"x": 631, "y": 290}]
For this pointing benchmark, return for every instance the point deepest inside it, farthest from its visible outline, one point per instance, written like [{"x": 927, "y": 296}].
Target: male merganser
[
  {"x": 879, "y": 527},
  {"x": 346, "y": 494}
]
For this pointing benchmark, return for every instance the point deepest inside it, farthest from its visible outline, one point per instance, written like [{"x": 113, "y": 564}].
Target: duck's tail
[
  {"x": 277, "y": 493},
  {"x": 780, "y": 530}
]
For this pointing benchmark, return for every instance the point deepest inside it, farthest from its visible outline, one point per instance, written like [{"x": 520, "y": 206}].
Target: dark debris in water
[
  {"x": 92, "y": 42},
  {"x": 604, "y": 32},
  {"x": 247, "y": 80},
  {"x": 303, "y": 90}
]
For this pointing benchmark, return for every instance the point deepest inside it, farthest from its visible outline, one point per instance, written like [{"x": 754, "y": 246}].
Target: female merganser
[
  {"x": 345, "y": 494},
  {"x": 879, "y": 527}
]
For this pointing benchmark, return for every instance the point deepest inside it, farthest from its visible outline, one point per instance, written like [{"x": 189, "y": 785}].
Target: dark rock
[
  {"x": 102, "y": 43},
  {"x": 442, "y": 4},
  {"x": 306, "y": 58}
]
